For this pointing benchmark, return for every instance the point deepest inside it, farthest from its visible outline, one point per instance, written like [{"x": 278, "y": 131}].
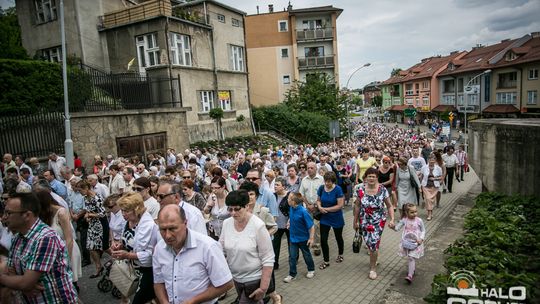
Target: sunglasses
[
  {"x": 162, "y": 196},
  {"x": 236, "y": 209},
  {"x": 252, "y": 179},
  {"x": 138, "y": 189},
  {"x": 189, "y": 176},
  {"x": 302, "y": 167}
]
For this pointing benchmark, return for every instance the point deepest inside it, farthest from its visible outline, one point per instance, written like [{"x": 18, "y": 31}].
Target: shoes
[
  {"x": 98, "y": 274},
  {"x": 324, "y": 265},
  {"x": 444, "y": 191},
  {"x": 277, "y": 298},
  {"x": 288, "y": 279},
  {"x": 429, "y": 218},
  {"x": 372, "y": 275},
  {"x": 409, "y": 279},
  {"x": 450, "y": 191},
  {"x": 310, "y": 274},
  {"x": 339, "y": 259},
  {"x": 317, "y": 252}
]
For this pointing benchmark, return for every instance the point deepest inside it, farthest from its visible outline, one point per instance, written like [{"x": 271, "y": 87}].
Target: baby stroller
[{"x": 105, "y": 284}]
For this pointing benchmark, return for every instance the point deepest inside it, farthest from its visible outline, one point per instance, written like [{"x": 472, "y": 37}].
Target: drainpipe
[
  {"x": 520, "y": 90},
  {"x": 220, "y": 133},
  {"x": 250, "y": 107},
  {"x": 169, "y": 65}
]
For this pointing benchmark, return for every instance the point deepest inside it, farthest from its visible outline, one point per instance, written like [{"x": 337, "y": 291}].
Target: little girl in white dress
[{"x": 412, "y": 239}]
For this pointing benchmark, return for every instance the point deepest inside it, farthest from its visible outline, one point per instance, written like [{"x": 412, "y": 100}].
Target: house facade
[{"x": 286, "y": 46}]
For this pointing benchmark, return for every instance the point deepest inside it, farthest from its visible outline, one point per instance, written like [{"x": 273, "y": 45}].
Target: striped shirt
[{"x": 42, "y": 250}]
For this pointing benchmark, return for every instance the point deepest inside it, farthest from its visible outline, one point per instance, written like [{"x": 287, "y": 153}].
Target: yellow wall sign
[
  {"x": 224, "y": 95},
  {"x": 425, "y": 108}
]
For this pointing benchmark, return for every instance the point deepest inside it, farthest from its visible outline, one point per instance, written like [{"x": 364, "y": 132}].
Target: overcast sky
[{"x": 399, "y": 33}]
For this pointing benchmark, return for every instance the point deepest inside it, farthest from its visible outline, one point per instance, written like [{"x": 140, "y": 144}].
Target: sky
[{"x": 399, "y": 33}]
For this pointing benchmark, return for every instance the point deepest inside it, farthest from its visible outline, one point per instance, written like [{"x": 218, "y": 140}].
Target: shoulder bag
[{"x": 124, "y": 277}]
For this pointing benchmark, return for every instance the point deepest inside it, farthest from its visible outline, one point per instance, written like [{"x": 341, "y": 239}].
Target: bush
[
  {"x": 501, "y": 246},
  {"x": 304, "y": 126},
  {"x": 233, "y": 144},
  {"x": 32, "y": 85}
]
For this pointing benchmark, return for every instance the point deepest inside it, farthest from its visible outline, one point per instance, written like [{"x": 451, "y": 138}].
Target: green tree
[
  {"x": 395, "y": 72},
  {"x": 10, "y": 36},
  {"x": 318, "y": 94},
  {"x": 217, "y": 114},
  {"x": 376, "y": 101}
]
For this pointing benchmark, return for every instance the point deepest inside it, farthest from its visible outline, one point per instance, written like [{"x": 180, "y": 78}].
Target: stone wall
[
  {"x": 504, "y": 153},
  {"x": 95, "y": 133}
]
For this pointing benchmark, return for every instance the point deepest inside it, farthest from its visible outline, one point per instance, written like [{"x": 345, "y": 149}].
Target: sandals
[
  {"x": 324, "y": 265},
  {"x": 339, "y": 259}
]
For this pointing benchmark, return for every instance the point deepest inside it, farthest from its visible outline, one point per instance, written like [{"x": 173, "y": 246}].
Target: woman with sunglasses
[
  {"x": 215, "y": 206},
  {"x": 302, "y": 170},
  {"x": 386, "y": 174},
  {"x": 248, "y": 250},
  {"x": 144, "y": 188},
  {"x": 116, "y": 219}
]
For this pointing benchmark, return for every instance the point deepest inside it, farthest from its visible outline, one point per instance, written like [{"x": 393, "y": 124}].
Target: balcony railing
[
  {"x": 315, "y": 62},
  {"x": 134, "y": 13},
  {"x": 316, "y": 34},
  {"x": 508, "y": 84}
]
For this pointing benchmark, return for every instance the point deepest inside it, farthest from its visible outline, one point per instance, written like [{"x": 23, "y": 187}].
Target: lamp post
[
  {"x": 347, "y": 86},
  {"x": 467, "y": 107},
  {"x": 68, "y": 143}
]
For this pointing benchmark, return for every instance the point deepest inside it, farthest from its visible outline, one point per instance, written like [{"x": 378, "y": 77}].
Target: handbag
[
  {"x": 357, "y": 242},
  {"x": 409, "y": 241},
  {"x": 317, "y": 214},
  {"x": 412, "y": 180},
  {"x": 124, "y": 277}
]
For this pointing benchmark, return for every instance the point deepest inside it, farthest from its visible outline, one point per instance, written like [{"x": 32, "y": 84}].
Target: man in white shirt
[
  {"x": 308, "y": 188},
  {"x": 129, "y": 178},
  {"x": 116, "y": 180},
  {"x": 56, "y": 163},
  {"x": 451, "y": 162},
  {"x": 188, "y": 267},
  {"x": 416, "y": 161},
  {"x": 19, "y": 162},
  {"x": 168, "y": 193},
  {"x": 98, "y": 187}
]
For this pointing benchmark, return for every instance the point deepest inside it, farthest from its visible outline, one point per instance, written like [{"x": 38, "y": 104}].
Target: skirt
[{"x": 430, "y": 195}]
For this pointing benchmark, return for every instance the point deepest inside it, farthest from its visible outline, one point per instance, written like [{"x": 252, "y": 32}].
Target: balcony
[
  {"x": 316, "y": 34},
  {"x": 143, "y": 11},
  {"x": 507, "y": 84},
  {"x": 315, "y": 62}
]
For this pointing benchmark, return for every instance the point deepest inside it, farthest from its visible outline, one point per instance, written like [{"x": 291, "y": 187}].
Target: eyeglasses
[
  {"x": 302, "y": 167},
  {"x": 8, "y": 213},
  {"x": 252, "y": 179},
  {"x": 188, "y": 176},
  {"x": 162, "y": 196},
  {"x": 236, "y": 209},
  {"x": 138, "y": 189},
  {"x": 386, "y": 162}
]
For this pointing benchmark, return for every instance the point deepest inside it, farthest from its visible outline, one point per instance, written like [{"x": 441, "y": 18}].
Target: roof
[
  {"x": 477, "y": 59},
  {"x": 400, "y": 108},
  {"x": 501, "y": 108},
  {"x": 444, "y": 108},
  {"x": 318, "y": 9},
  {"x": 528, "y": 52},
  {"x": 429, "y": 66},
  {"x": 197, "y": 2},
  {"x": 392, "y": 80}
]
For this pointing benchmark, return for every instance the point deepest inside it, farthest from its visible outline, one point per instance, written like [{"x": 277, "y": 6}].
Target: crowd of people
[{"x": 198, "y": 223}]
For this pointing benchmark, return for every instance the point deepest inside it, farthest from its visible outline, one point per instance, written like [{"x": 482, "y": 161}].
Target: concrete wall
[
  {"x": 504, "y": 154},
  {"x": 95, "y": 133}
]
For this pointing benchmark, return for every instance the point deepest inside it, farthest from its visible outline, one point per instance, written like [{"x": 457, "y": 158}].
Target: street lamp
[
  {"x": 347, "y": 86},
  {"x": 467, "y": 106},
  {"x": 68, "y": 143}
]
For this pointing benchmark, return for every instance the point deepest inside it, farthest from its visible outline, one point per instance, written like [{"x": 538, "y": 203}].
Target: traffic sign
[
  {"x": 334, "y": 128},
  {"x": 410, "y": 112}
]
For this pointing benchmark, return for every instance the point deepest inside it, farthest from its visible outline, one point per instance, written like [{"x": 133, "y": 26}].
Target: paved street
[{"x": 340, "y": 283}]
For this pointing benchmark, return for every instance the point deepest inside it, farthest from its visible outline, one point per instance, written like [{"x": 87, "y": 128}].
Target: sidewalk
[{"x": 348, "y": 282}]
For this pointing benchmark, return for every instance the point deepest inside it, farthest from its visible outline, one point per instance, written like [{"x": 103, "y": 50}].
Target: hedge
[
  {"x": 304, "y": 126},
  {"x": 32, "y": 85},
  {"x": 501, "y": 246}
]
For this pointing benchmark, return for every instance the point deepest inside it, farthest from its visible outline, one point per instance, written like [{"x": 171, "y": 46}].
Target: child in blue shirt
[{"x": 301, "y": 231}]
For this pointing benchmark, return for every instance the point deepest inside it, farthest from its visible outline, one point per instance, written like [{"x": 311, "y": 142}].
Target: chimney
[
  {"x": 535, "y": 34},
  {"x": 452, "y": 53},
  {"x": 257, "y": 9},
  {"x": 289, "y": 7},
  {"x": 270, "y": 8}
]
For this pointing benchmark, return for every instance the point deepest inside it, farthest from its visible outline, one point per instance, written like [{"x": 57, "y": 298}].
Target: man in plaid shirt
[{"x": 38, "y": 271}]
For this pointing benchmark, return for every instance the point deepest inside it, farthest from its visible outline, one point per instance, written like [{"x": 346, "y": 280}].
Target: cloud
[{"x": 514, "y": 17}]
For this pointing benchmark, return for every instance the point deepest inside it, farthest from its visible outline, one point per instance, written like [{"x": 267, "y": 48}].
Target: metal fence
[{"x": 34, "y": 134}]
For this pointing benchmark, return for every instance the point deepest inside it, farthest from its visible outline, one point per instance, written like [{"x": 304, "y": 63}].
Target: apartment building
[
  {"x": 196, "y": 49},
  {"x": 286, "y": 46}
]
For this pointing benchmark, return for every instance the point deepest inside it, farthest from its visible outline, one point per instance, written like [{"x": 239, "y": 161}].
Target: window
[
  {"x": 533, "y": 74},
  {"x": 221, "y": 18},
  {"x": 449, "y": 86},
  {"x": 507, "y": 80},
  {"x": 475, "y": 81},
  {"x": 409, "y": 101},
  {"x": 180, "y": 49},
  {"x": 409, "y": 89},
  {"x": 316, "y": 51},
  {"x": 284, "y": 53},
  {"x": 425, "y": 101},
  {"x": 237, "y": 58},
  {"x": 460, "y": 99},
  {"x": 235, "y": 22},
  {"x": 225, "y": 100},
  {"x": 510, "y": 56},
  {"x": 311, "y": 24},
  {"x": 487, "y": 87},
  {"x": 473, "y": 99},
  {"x": 532, "y": 97},
  {"x": 207, "y": 100},
  {"x": 506, "y": 98},
  {"x": 449, "y": 99},
  {"x": 283, "y": 25},
  {"x": 425, "y": 85},
  {"x": 460, "y": 84},
  {"x": 417, "y": 87},
  {"x": 52, "y": 54},
  {"x": 45, "y": 10},
  {"x": 147, "y": 50},
  {"x": 286, "y": 79}
]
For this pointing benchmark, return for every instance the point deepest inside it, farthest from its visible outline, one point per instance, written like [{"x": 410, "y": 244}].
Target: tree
[
  {"x": 395, "y": 72},
  {"x": 217, "y": 114},
  {"x": 10, "y": 36},
  {"x": 376, "y": 101},
  {"x": 318, "y": 94}
]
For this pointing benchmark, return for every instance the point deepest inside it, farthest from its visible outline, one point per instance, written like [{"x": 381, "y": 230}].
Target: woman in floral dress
[
  {"x": 370, "y": 216},
  {"x": 97, "y": 239}
]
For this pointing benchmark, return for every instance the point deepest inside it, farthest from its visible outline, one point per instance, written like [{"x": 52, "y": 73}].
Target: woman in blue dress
[{"x": 330, "y": 200}]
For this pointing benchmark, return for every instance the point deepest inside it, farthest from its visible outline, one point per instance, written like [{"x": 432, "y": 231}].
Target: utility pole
[{"x": 68, "y": 143}]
